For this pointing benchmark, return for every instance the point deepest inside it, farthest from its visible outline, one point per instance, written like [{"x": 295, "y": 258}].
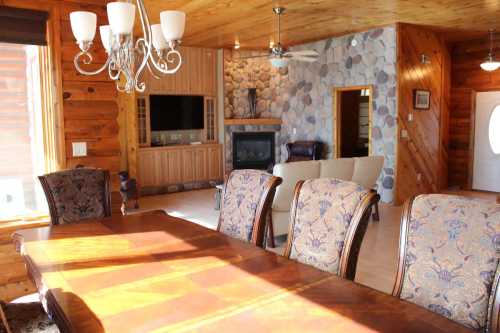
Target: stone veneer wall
[{"x": 301, "y": 95}]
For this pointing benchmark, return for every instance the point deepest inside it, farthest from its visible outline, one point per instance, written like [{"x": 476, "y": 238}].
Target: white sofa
[{"x": 362, "y": 170}]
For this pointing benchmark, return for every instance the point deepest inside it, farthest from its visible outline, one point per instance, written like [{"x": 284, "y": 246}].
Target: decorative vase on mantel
[{"x": 252, "y": 102}]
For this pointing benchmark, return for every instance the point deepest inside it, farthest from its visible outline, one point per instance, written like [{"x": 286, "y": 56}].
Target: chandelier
[{"x": 126, "y": 59}]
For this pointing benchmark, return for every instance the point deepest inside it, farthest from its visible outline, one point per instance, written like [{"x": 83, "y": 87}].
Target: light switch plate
[
  {"x": 404, "y": 134},
  {"x": 79, "y": 149}
]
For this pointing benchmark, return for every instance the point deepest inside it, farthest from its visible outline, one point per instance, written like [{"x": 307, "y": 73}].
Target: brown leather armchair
[{"x": 304, "y": 151}]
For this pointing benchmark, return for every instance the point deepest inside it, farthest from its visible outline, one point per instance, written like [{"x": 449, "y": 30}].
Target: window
[
  {"x": 494, "y": 130},
  {"x": 21, "y": 131}
]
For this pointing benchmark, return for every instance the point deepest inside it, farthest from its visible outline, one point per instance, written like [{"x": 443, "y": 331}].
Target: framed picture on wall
[{"x": 421, "y": 99}]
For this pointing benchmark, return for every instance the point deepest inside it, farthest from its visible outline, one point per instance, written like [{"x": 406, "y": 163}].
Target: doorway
[
  {"x": 486, "y": 165},
  {"x": 352, "y": 121}
]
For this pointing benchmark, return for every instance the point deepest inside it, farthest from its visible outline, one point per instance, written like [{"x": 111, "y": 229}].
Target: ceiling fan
[{"x": 278, "y": 55}]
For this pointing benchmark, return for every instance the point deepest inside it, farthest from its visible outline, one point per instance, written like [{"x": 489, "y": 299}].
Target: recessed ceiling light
[{"x": 354, "y": 42}]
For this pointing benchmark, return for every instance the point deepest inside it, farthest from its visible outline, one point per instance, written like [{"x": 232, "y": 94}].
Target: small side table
[{"x": 218, "y": 195}]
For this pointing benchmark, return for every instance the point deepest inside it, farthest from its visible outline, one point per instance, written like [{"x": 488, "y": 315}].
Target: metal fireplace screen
[{"x": 253, "y": 150}]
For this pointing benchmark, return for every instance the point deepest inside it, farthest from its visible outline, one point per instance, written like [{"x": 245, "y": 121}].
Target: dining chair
[
  {"x": 328, "y": 221},
  {"x": 448, "y": 258},
  {"x": 246, "y": 200},
  {"x": 77, "y": 194},
  {"x": 25, "y": 317}
]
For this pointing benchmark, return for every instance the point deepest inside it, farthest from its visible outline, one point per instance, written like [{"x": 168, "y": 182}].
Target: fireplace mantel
[{"x": 252, "y": 121}]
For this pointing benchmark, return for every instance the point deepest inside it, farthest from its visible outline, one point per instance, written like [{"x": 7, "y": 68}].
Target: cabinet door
[
  {"x": 188, "y": 161},
  {"x": 174, "y": 166},
  {"x": 200, "y": 164},
  {"x": 215, "y": 163},
  {"x": 171, "y": 166},
  {"x": 149, "y": 168}
]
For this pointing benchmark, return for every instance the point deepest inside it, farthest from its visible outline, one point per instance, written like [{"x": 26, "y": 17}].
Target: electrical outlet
[
  {"x": 404, "y": 134},
  {"x": 79, "y": 149}
]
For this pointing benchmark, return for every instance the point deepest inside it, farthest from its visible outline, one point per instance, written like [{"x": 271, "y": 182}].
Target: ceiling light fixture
[
  {"x": 490, "y": 63},
  {"x": 118, "y": 41},
  {"x": 237, "y": 45}
]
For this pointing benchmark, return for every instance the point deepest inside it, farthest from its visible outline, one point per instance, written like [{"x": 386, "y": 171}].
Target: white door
[{"x": 486, "y": 172}]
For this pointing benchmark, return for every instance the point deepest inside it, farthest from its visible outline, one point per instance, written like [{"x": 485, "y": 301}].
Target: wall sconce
[{"x": 424, "y": 59}]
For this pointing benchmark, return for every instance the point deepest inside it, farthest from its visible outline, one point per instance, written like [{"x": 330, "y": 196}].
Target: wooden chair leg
[
  {"x": 270, "y": 232},
  {"x": 376, "y": 216}
]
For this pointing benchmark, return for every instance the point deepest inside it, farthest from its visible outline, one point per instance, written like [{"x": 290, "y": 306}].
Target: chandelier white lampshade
[
  {"x": 105, "y": 33},
  {"x": 159, "y": 41},
  {"x": 490, "y": 64},
  {"x": 172, "y": 24},
  {"x": 121, "y": 17},
  {"x": 83, "y": 25}
]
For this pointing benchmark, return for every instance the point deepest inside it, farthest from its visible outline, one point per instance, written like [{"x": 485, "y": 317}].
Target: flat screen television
[{"x": 169, "y": 112}]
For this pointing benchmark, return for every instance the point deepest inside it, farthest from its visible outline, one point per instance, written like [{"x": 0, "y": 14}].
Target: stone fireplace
[
  {"x": 254, "y": 150},
  {"x": 251, "y": 146}
]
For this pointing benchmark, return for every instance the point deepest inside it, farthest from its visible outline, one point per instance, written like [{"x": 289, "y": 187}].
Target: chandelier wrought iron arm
[
  {"x": 141, "y": 47},
  {"x": 162, "y": 64},
  {"x": 151, "y": 70},
  {"x": 88, "y": 62},
  {"x": 146, "y": 28}
]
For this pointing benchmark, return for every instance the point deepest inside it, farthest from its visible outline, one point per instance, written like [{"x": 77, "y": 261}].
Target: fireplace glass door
[{"x": 254, "y": 150}]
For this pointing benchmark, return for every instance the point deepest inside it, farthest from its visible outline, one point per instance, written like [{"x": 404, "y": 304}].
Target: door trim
[
  {"x": 337, "y": 117},
  {"x": 472, "y": 136}
]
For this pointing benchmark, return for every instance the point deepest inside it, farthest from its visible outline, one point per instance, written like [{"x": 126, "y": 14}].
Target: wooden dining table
[{"x": 157, "y": 273}]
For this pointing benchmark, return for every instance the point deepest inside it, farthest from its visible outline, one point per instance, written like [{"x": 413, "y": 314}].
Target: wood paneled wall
[
  {"x": 89, "y": 113},
  {"x": 196, "y": 76},
  {"x": 90, "y": 102},
  {"x": 467, "y": 78},
  {"x": 463, "y": 102},
  {"x": 422, "y": 155}
]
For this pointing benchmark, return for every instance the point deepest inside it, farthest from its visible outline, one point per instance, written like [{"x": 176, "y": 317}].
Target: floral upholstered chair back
[
  {"x": 247, "y": 197},
  {"x": 449, "y": 253},
  {"x": 77, "y": 194},
  {"x": 327, "y": 223}
]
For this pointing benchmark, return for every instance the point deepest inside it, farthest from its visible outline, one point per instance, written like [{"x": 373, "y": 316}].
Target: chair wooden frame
[
  {"x": 259, "y": 224},
  {"x": 493, "y": 317},
  {"x": 354, "y": 235},
  {"x": 54, "y": 216},
  {"x": 3, "y": 319}
]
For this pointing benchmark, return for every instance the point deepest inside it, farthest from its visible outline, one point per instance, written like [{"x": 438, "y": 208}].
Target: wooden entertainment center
[{"x": 183, "y": 165}]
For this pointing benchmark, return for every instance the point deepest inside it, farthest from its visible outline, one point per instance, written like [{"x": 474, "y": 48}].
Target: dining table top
[{"x": 157, "y": 273}]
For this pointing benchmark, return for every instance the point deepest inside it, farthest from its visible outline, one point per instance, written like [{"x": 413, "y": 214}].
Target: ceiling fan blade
[
  {"x": 306, "y": 59},
  {"x": 307, "y": 53}
]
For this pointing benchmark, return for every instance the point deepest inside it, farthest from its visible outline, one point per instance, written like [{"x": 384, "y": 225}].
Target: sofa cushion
[
  {"x": 291, "y": 174},
  {"x": 281, "y": 220},
  {"x": 340, "y": 168},
  {"x": 367, "y": 170}
]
